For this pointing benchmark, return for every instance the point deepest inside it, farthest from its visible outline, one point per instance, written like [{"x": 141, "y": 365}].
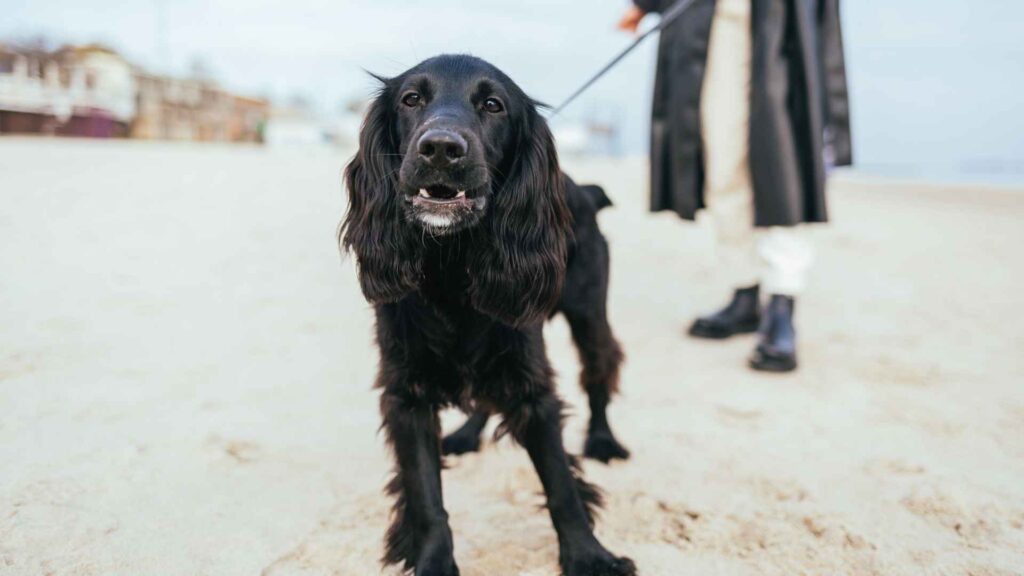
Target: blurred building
[
  {"x": 248, "y": 119},
  {"x": 195, "y": 109},
  {"x": 93, "y": 91},
  {"x": 74, "y": 91}
]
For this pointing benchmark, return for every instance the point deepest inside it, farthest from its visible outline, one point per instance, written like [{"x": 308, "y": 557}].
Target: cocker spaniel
[{"x": 467, "y": 237}]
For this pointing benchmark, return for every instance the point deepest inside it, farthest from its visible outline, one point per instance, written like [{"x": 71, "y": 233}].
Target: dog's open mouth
[
  {"x": 441, "y": 208},
  {"x": 439, "y": 194}
]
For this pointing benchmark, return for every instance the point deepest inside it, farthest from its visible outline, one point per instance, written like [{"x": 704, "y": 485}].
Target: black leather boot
[
  {"x": 741, "y": 316},
  {"x": 776, "y": 352}
]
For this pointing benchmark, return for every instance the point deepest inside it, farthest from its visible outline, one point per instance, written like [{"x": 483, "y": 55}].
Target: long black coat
[{"x": 798, "y": 99}]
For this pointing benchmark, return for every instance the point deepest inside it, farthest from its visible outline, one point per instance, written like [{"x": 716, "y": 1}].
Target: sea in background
[
  {"x": 936, "y": 84},
  {"x": 938, "y": 113},
  {"x": 937, "y": 89}
]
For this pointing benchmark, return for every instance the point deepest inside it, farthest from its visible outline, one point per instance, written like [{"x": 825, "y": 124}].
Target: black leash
[{"x": 667, "y": 18}]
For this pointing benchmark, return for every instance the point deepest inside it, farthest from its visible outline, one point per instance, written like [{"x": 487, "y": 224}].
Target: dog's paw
[
  {"x": 436, "y": 558},
  {"x": 449, "y": 570},
  {"x": 458, "y": 443},
  {"x": 603, "y": 447},
  {"x": 599, "y": 562}
]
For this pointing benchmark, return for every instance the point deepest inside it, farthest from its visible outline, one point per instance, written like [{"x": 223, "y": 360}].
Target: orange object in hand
[{"x": 631, "y": 19}]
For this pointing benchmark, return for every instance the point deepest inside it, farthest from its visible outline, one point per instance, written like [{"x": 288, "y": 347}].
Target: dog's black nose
[{"x": 442, "y": 147}]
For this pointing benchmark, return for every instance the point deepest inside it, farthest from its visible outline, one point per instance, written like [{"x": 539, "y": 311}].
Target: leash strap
[{"x": 667, "y": 17}]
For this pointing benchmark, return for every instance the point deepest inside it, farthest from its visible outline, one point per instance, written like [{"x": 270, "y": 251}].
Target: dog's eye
[
  {"x": 493, "y": 105},
  {"x": 412, "y": 99}
]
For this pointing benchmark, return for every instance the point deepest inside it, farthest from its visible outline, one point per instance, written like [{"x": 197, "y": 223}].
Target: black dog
[
  {"x": 460, "y": 221},
  {"x": 583, "y": 302}
]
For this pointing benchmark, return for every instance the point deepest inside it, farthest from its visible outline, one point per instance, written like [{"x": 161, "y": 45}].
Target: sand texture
[{"x": 186, "y": 370}]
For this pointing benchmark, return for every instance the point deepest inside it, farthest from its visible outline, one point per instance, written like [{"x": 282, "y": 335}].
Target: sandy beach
[{"x": 186, "y": 367}]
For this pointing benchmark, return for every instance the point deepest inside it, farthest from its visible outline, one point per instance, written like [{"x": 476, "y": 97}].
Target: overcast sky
[{"x": 935, "y": 82}]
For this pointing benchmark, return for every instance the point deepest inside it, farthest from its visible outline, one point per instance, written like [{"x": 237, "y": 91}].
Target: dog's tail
[{"x": 597, "y": 196}]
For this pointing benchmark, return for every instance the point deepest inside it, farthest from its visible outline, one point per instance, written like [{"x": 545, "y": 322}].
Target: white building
[{"x": 65, "y": 90}]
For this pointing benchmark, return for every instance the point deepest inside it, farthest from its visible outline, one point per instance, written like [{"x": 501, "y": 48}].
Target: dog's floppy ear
[
  {"x": 389, "y": 266},
  {"x": 518, "y": 270}
]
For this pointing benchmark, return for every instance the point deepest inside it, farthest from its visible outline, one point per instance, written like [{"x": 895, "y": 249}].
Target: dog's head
[{"x": 453, "y": 147}]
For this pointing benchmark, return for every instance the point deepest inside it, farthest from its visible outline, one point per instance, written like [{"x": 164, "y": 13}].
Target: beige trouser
[{"x": 779, "y": 257}]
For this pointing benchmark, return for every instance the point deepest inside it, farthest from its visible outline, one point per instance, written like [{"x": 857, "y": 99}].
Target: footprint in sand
[{"x": 979, "y": 525}]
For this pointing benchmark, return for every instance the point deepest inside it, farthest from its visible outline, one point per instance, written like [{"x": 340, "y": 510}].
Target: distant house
[
  {"x": 248, "y": 119},
  {"x": 195, "y": 109},
  {"x": 75, "y": 91},
  {"x": 93, "y": 91}
]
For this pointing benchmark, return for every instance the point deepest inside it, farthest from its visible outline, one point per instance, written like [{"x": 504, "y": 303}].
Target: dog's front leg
[
  {"x": 419, "y": 537},
  {"x": 537, "y": 425}
]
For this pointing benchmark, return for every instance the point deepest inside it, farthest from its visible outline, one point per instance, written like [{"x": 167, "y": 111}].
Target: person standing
[{"x": 750, "y": 105}]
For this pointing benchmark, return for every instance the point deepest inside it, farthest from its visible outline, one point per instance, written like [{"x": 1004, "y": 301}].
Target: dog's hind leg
[
  {"x": 467, "y": 437},
  {"x": 601, "y": 357},
  {"x": 419, "y": 537}
]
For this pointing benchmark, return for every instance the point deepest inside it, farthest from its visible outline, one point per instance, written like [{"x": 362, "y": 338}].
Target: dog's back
[{"x": 587, "y": 241}]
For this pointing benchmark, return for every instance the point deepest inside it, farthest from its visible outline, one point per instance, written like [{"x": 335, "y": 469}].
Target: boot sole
[
  {"x": 777, "y": 365},
  {"x": 698, "y": 331}
]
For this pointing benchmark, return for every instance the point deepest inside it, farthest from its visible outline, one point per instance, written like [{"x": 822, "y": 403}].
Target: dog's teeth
[
  {"x": 424, "y": 193},
  {"x": 461, "y": 194}
]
